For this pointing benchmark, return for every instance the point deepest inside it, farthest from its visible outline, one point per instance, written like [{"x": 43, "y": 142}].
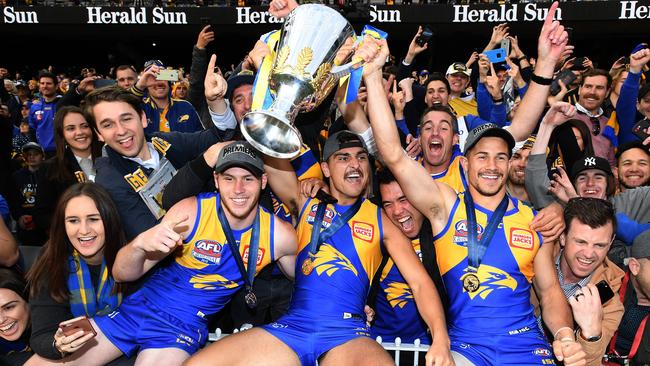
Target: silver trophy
[{"x": 302, "y": 76}]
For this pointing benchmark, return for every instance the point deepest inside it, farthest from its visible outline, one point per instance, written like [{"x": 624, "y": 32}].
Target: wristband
[
  {"x": 559, "y": 330},
  {"x": 541, "y": 81},
  {"x": 500, "y": 100},
  {"x": 522, "y": 58}
]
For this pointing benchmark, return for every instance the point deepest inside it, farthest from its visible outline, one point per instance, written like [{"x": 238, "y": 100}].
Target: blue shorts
[
  {"x": 310, "y": 339},
  {"x": 529, "y": 348},
  {"x": 137, "y": 324}
]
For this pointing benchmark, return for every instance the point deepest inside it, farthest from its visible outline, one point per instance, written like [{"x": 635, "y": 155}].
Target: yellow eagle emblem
[
  {"x": 492, "y": 279},
  {"x": 212, "y": 282},
  {"x": 398, "y": 294},
  {"x": 330, "y": 260}
]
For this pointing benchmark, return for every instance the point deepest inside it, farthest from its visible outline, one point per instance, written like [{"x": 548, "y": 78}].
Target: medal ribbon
[
  {"x": 247, "y": 275},
  {"x": 318, "y": 237},
  {"x": 475, "y": 248}
]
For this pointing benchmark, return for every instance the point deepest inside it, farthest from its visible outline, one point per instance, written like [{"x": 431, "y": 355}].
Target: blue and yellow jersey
[
  {"x": 395, "y": 312},
  {"x": 501, "y": 305},
  {"x": 453, "y": 176},
  {"x": 204, "y": 274},
  {"x": 306, "y": 166},
  {"x": 338, "y": 277}
]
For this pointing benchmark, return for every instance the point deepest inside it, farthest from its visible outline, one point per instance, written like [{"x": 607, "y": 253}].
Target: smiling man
[
  {"x": 396, "y": 314},
  {"x": 592, "y": 177},
  {"x": 133, "y": 158},
  {"x": 594, "y": 88},
  {"x": 41, "y": 113},
  {"x": 581, "y": 264},
  {"x": 633, "y": 166}
]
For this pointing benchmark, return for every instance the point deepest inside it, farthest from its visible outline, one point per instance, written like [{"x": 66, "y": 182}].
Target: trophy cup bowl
[{"x": 300, "y": 78}]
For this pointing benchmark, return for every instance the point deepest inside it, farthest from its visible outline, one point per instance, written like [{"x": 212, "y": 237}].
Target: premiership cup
[{"x": 301, "y": 77}]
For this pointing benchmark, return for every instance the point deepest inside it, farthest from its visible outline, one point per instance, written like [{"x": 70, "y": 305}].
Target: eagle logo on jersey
[
  {"x": 492, "y": 279},
  {"x": 460, "y": 234},
  {"x": 330, "y": 260},
  {"x": 212, "y": 282},
  {"x": 398, "y": 294}
]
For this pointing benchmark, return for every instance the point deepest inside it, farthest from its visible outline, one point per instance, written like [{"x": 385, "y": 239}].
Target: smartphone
[
  {"x": 505, "y": 44},
  {"x": 604, "y": 291},
  {"x": 640, "y": 128},
  {"x": 577, "y": 64},
  {"x": 424, "y": 37},
  {"x": 497, "y": 55},
  {"x": 167, "y": 75},
  {"x": 77, "y": 325},
  {"x": 567, "y": 77},
  {"x": 206, "y": 21},
  {"x": 100, "y": 83}
]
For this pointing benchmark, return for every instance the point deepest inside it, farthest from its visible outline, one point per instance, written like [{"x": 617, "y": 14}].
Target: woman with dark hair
[
  {"x": 14, "y": 319},
  {"x": 72, "y": 278},
  {"x": 77, "y": 147},
  {"x": 569, "y": 142}
]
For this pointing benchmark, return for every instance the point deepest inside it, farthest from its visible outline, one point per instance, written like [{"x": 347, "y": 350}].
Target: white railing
[{"x": 398, "y": 347}]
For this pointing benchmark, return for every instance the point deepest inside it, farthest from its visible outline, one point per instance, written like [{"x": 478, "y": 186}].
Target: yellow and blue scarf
[{"x": 84, "y": 300}]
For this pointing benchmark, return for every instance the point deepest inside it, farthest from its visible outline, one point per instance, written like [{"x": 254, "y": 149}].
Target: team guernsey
[
  {"x": 395, "y": 310},
  {"x": 327, "y": 308},
  {"x": 170, "y": 309},
  {"x": 453, "y": 176},
  {"x": 499, "y": 312}
]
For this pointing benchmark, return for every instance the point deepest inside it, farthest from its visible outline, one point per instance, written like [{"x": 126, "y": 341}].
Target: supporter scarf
[
  {"x": 84, "y": 300},
  {"x": 353, "y": 79}
]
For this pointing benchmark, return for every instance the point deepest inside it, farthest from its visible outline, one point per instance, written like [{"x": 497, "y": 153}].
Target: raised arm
[
  {"x": 428, "y": 197},
  {"x": 284, "y": 183},
  {"x": 150, "y": 247},
  {"x": 551, "y": 43},
  {"x": 556, "y": 312},
  {"x": 424, "y": 292}
]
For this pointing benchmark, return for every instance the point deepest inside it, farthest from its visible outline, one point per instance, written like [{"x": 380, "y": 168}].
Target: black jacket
[{"x": 112, "y": 169}]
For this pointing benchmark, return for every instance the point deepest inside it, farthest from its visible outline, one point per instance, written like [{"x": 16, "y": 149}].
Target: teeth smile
[
  {"x": 404, "y": 219},
  {"x": 8, "y": 326},
  {"x": 584, "y": 261}
]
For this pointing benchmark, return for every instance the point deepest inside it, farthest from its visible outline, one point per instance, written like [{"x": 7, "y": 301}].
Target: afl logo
[
  {"x": 327, "y": 217},
  {"x": 460, "y": 232},
  {"x": 207, "y": 251}
]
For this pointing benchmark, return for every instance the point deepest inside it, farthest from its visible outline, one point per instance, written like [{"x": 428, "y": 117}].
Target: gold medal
[
  {"x": 471, "y": 283},
  {"x": 307, "y": 266}
]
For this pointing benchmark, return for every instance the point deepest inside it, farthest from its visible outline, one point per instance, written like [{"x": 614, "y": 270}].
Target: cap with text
[
  {"x": 341, "y": 140},
  {"x": 458, "y": 68},
  {"x": 488, "y": 130},
  {"x": 590, "y": 162},
  {"x": 239, "y": 154}
]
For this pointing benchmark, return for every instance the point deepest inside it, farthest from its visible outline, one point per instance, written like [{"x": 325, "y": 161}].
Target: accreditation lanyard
[
  {"x": 475, "y": 248},
  {"x": 253, "y": 246},
  {"x": 318, "y": 237}
]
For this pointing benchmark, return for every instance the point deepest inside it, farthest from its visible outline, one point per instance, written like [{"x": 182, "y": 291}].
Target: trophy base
[{"x": 271, "y": 134}]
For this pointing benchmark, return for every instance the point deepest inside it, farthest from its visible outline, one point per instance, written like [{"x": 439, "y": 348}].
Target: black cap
[
  {"x": 488, "y": 130},
  {"x": 32, "y": 146},
  {"x": 590, "y": 162},
  {"x": 239, "y": 79},
  {"x": 341, "y": 140},
  {"x": 239, "y": 154},
  {"x": 631, "y": 145}
]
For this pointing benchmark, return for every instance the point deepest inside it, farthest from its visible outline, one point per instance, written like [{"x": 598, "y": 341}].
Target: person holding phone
[
  {"x": 73, "y": 276},
  {"x": 581, "y": 263},
  {"x": 164, "y": 112}
]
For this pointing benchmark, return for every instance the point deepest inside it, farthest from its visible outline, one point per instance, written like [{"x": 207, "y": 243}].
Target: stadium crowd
[{"x": 497, "y": 211}]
